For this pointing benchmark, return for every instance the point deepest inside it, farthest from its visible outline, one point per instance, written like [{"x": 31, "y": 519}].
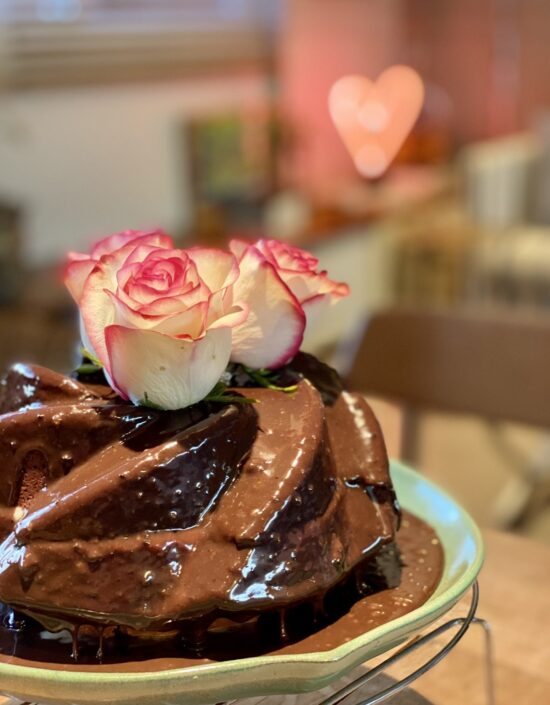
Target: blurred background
[{"x": 209, "y": 118}]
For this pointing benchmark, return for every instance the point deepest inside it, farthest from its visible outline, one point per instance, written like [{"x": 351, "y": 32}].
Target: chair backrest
[{"x": 493, "y": 365}]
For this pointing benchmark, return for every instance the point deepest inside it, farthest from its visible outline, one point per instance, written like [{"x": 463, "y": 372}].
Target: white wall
[{"x": 89, "y": 161}]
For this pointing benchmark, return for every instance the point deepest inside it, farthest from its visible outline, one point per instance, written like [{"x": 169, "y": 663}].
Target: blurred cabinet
[
  {"x": 10, "y": 263},
  {"x": 432, "y": 254},
  {"x": 42, "y": 326}
]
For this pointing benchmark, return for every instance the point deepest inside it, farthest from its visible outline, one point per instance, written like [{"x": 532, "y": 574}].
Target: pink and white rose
[
  {"x": 282, "y": 286},
  {"x": 164, "y": 322},
  {"x": 272, "y": 333},
  {"x": 158, "y": 319}
]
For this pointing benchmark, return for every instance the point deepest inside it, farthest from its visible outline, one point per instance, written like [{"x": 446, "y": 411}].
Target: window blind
[{"x": 57, "y": 42}]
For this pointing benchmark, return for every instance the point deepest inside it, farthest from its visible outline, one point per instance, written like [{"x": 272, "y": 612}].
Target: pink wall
[
  {"x": 450, "y": 43},
  {"x": 321, "y": 41},
  {"x": 534, "y": 23},
  {"x": 485, "y": 61},
  {"x": 490, "y": 56}
]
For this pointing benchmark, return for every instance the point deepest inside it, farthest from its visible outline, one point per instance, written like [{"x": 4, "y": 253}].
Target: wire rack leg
[
  {"x": 489, "y": 659},
  {"x": 462, "y": 622}
]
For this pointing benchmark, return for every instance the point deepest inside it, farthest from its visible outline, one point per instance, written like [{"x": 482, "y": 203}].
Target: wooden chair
[{"x": 493, "y": 365}]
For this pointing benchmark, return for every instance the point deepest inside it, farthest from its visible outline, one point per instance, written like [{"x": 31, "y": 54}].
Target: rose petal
[
  {"x": 172, "y": 304},
  {"x": 308, "y": 285},
  {"x": 73, "y": 256},
  {"x": 236, "y": 315},
  {"x": 161, "y": 276},
  {"x": 216, "y": 268},
  {"x": 274, "y": 328},
  {"x": 315, "y": 309},
  {"x": 75, "y": 275},
  {"x": 150, "y": 367},
  {"x": 111, "y": 243},
  {"x": 239, "y": 247},
  {"x": 287, "y": 256},
  {"x": 188, "y": 322},
  {"x": 96, "y": 308},
  {"x": 86, "y": 342},
  {"x": 297, "y": 268}
]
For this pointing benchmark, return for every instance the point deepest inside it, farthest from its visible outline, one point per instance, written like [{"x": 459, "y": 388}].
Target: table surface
[{"x": 515, "y": 599}]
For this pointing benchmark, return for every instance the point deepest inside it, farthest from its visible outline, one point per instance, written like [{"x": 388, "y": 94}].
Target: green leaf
[
  {"x": 87, "y": 355},
  {"x": 217, "y": 390},
  {"x": 220, "y": 395},
  {"x": 266, "y": 378},
  {"x": 230, "y": 399},
  {"x": 87, "y": 368}
]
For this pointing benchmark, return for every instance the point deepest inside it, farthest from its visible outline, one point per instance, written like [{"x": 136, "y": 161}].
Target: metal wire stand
[{"x": 463, "y": 623}]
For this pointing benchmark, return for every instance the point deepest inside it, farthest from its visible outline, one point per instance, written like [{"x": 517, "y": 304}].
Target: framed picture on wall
[{"x": 232, "y": 166}]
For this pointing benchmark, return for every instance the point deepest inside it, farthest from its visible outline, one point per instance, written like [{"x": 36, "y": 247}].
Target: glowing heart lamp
[{"x": 374, "y": 118}]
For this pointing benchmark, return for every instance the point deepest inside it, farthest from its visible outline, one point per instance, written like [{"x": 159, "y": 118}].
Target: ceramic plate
[{"x": 265, "y": 675}]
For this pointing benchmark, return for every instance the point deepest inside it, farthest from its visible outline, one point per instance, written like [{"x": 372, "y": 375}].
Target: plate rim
[{"x": 436, "y": 605}]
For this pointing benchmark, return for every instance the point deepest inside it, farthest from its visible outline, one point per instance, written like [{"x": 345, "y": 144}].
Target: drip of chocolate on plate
[{"x": 144, "y": 531}]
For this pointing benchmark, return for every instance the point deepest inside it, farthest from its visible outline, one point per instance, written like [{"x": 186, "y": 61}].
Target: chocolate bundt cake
[{"x": 145, "y": 520}]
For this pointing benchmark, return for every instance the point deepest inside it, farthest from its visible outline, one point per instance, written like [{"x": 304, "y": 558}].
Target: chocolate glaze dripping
[
  {"x": 101, "y": 635},
  {"x": 283, "y": 634},
  {"x": 75, "y": 632},
  {"x": 118, "y": 515},
  {"x": 129, "y": 652}
]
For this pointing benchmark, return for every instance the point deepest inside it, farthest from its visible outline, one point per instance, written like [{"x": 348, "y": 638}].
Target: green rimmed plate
[{"x": 265, "y": 675}]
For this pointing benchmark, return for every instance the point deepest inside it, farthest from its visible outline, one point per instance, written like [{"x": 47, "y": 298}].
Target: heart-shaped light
[{"x": 374, "y": 118}]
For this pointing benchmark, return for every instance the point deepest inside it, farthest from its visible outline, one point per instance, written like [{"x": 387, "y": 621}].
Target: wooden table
[{"x": 515, "y": 599}]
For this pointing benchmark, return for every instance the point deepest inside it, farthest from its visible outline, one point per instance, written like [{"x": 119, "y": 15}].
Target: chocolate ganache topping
[{"x": 141, "y": 519}]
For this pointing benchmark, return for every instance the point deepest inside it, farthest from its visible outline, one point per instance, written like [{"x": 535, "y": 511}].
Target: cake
[
  {"x": 198, "y": 488},
  {"x": 150, "y": 521}
]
